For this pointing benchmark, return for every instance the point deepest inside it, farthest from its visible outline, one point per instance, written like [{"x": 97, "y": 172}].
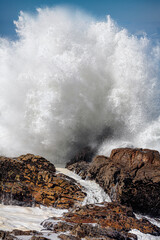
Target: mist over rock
[
  {"x": 70, "y": 81},
  {"x": 86, "y": 155}
]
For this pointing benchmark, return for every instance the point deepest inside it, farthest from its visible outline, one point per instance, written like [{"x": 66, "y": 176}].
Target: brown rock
[
  {"x": 39, "y": 238},
  {"x": 112, "y": 215},
  {"x": 80, "y": 168},
  {"x": 83, "y": 230},
  {"x": 17, "y": 232},
  {"x": 102, "y": 221},
  {"x": 31, "y": 180},
  {"x": 7, "y": 235},
  {"x": 131, "y": 177},
  {"x": 68, "y": 237}
]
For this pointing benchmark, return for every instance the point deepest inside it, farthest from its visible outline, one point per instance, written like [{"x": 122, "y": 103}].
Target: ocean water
[{"x": 70, "y": 80}]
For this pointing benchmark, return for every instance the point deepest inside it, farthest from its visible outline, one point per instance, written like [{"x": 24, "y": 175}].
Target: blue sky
[{"x": 135, "y": 15}]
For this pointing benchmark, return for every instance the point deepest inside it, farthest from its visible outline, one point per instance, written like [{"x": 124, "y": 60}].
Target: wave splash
[{"x": 71, "y": 81}]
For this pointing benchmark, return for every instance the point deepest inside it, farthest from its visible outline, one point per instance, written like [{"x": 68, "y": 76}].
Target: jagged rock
[
  {"x": 17, "y": 232},
  {"x": 88, "y": 231},
  {"x": 80, "y": 168},
  {"x": 83, "y": 230},
  {"x": 62, "y": 226},
  {"x": 102, "y": 221},
  {"x": 111, "y": 215},
  {"x": 7, "y": 235},
  {"x": 39, "y": 238},
  {"x": 131, "y": 177},
  {"x": 31, "y": 180},
  {"x": 68, "y": 237}
]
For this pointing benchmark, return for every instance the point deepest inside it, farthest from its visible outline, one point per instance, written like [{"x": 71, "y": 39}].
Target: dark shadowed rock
[
  {"x": 138, "y": 182},
  {"x": 85, "y": 155},
  {"x": 131, "y": 177},
  {"x": 80, "y": 168},
  {"x": 15, "y": 234},
  {"x": 39, "y": 238},
  {"x": 19, "y": 234},
  {"x": 68, "y": 237},
  {"x": 31, "y": 180}
]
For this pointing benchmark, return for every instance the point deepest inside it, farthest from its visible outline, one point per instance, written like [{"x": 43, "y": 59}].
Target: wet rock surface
[
  {"x": 32, "y": 180},
  {"x": 102, "y": 221},
  {"x": 141, "y": 187},
  {"x": 130, "y": 177},
  {"x": 6, "y": 235},
  {"x": 18, "y": 234},
  {"x": 80, "y": 168}
]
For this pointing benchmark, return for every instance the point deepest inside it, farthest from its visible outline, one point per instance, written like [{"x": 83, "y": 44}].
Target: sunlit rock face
[{"x": 31, "y": 180}]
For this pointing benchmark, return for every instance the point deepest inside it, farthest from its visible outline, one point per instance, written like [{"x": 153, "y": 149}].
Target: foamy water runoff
[
  {"x": 70, "y": 80},
  {"x": 24, "y": 218},
  {"x": 95, "y": 194},
  {"x": 27, "y": 218}
]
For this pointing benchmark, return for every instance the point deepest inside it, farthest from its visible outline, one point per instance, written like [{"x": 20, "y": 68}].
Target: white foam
[
  {"x": 30, "y": 218},
  {"x": 142, "y": 236},
  {"x": 95, "y": 194},
  {"x": 25, "y": 218},
  {"x": 155, "y": 221}
]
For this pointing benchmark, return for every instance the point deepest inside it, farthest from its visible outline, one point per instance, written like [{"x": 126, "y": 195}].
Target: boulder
[
  {"x": 131, "y": 177},
  {"x": 32, "y": 180}
]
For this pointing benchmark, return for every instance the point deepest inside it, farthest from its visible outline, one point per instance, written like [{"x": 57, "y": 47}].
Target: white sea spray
[{"x": 70, "y": 80}]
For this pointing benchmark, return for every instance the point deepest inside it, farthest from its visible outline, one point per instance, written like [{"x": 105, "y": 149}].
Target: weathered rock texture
[
  {"x": 102, "y": 221},
  {"x": 30, "y": 179},
  {"x": 105, "y": 221},
  {"x": 80, "y": 168},
  {"x": 18, "y": 234},
  {"x": 129, "y": 176}
]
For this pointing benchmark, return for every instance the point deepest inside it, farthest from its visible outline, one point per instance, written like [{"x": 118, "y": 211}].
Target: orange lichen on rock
[{"x": 31, "y": 179}]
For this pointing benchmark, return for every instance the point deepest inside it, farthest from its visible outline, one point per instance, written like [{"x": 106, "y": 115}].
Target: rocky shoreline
[{"x": 131, "y": 177}]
